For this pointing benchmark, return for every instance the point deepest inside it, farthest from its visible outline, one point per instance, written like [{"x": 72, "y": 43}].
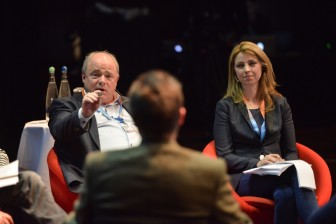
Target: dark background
[{"x": 39, "y": 34}]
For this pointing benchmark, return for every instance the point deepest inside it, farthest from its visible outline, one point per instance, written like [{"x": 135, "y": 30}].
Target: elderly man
[{"x": 97, "y": 119}]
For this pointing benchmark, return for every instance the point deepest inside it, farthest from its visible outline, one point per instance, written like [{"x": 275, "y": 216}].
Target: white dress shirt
[{"x": 116, "y": 127}]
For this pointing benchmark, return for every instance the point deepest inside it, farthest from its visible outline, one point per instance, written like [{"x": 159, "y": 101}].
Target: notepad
[{"x": 304, "y": 171}]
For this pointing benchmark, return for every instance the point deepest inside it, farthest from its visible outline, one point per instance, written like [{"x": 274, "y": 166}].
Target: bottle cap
[
  {"x": 64, "y": 69},
  {"x": 51, "y": 70}
]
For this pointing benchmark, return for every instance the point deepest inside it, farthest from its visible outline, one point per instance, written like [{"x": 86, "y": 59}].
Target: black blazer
[
  {"x": 237, "y": 142},
  {"x": 72, "y": 142}
]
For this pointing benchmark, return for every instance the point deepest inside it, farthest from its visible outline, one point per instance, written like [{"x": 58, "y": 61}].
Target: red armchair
[
  {"x": 62, "y": 195},
  {"x": 261, "y": 210}
]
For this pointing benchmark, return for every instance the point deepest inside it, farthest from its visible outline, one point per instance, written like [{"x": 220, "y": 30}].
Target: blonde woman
[{"x": 253, "y": 126}]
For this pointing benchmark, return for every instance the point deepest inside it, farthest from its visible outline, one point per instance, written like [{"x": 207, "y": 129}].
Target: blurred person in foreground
[
  {"x": 325, "y": 214},
  {"x": 253, "y": 126},
  {"x": 159, "y": 181},
  {"x": 29, "y": 201},
  {"x": 96, "y": 119}
]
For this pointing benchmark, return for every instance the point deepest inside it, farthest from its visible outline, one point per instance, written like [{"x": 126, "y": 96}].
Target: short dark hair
[{"x": 156, "y": 97}]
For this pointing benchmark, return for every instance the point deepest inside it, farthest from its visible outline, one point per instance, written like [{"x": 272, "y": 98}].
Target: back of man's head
[{"x": 156, "y": 99}]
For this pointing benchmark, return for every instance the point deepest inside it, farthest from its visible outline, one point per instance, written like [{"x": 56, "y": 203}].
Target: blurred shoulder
[
  {"x": 205, "y": 162},
  {"x": 113, "y": 157},
  {"x": 98, "y": 157}
]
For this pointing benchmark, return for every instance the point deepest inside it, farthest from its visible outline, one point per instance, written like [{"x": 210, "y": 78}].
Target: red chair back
[
  {"x": 62, "y": 195},
  {"x": 321, "y": 172}
]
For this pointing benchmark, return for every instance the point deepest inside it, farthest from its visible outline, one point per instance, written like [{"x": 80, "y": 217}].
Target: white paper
[
  {"x": 269, "y": 169},
  {"x": 9, "y": 174},
  {"x": 304, "y": 171}
]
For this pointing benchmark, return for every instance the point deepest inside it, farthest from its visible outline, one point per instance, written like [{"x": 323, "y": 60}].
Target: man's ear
[
  {"x": 83, "y": 77},
  {"x": 183, "y": 113}
]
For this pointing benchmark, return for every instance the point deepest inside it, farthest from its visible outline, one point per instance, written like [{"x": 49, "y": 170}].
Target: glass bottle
[
  {"x": 64, "y": 86},
  {"x": 52, "y": 92}
]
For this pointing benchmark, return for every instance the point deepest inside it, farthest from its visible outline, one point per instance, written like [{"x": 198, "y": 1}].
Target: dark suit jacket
[
  {"x": 156, "y": 183},
  {"x": 72, "y": 142},
  {"x": 238, "y": 144}
]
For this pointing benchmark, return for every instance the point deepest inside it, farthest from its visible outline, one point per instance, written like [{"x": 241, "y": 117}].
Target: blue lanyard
[
  {"x": 105, "y": 114},
  {"x": 262, "y": 132}
]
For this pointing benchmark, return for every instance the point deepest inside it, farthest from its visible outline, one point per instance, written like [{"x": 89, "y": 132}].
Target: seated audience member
[
  {"x": 95, "y": 120},
  {"x": 29, "y": 201},
  {"x": 325, "y": 214},
  {"x": 159, "y": 181}
]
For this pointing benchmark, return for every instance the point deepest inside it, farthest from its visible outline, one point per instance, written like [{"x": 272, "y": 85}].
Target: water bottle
[
  {"x": 64, "y": 86},
  {"x": 52, "y": 92}
]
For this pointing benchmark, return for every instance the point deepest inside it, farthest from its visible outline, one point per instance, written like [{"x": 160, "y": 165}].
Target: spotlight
[
  {"x": 178, "y": 48},
  {"x": 261, "y": 45}
]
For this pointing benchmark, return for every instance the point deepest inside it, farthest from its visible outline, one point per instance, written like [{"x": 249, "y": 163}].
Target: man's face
[{"x": 101, "y": 74}]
